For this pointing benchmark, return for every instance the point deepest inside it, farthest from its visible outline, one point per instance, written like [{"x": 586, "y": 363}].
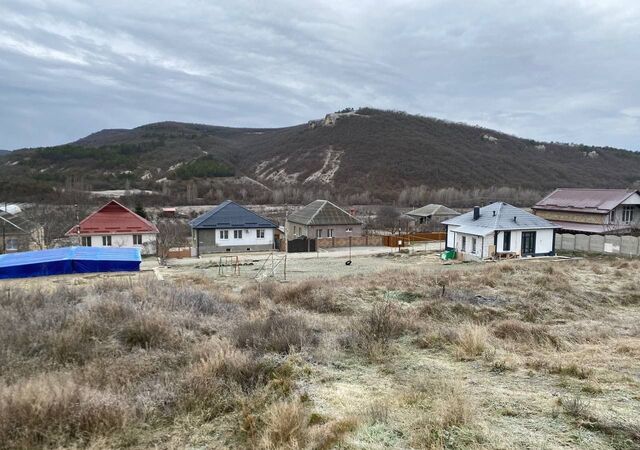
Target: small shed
[
  {"x": 69, "y": 260},
  {"x": 432, "y": 215}
]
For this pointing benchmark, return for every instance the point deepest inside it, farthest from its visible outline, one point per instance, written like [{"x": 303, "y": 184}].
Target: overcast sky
[{"x": 559, "y": 71}]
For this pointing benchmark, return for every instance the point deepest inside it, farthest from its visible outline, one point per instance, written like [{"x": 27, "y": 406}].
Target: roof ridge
[{"x": 324, "y": 203}]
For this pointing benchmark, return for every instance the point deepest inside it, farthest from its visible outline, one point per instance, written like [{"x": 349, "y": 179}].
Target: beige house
[
  {"x": 592, "y": 211},
  {"x": 322, "y": 219}
]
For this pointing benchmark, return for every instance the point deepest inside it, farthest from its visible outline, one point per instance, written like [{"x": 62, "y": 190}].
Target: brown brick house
[
  {"x": 322, "y": 219},
  {"x": 592, "y": 211}
]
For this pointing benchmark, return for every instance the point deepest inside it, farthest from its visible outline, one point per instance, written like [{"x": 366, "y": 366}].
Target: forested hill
[{"x": 380, "y": 152}]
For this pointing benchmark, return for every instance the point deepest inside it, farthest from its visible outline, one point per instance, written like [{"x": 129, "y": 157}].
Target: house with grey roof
[
  {"x": 322, "y": 219},
  {"x": 230, "y": 227},
  {"x": 432, "y": 215},
  {"x": 500, "y": 228},
  {"x": 592, "y": 211}
]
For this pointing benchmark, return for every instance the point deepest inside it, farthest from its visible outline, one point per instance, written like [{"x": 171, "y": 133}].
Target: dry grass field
[{"x": 507, "y": 355}]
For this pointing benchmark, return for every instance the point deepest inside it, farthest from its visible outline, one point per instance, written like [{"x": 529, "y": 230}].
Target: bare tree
[
  {"x": 171, "y": 233},
  {"x": 55, "y": 220}
]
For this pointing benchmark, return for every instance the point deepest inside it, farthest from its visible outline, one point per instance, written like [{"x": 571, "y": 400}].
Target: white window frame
[
  {"x": 224, "y": 234},
  {"x": 474, "y": 245},
  {"x": 330, "y": 232},
  {"x": 12, "y": 244},
  {"x": 318, "y": 233},
  {"x": 260, "y": 234},
  {"x": 107, "y": 241},
  {"x": 348, "y": 230},
  {"x": 137, "y": 239},
  {"x": 612, "y": 216},
  {"x": 627, "y": 213},
  {"x": 237, "y": 234},
  {"x": 85, "y": 241},
  {"x": 463, "y": 244}
]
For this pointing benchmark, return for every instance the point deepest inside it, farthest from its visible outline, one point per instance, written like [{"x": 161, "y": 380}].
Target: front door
[{"x": 528, "y": 243}]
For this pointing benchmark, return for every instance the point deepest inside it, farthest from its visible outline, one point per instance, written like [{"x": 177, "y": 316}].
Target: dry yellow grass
[{"x": 510, "y": 355}]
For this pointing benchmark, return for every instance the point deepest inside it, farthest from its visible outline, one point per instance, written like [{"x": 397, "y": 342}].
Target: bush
[
  {"x": 148, "y": 331},
  {"x": 279, "y": 332},
  {"x": 53, "y": 410},
  {"x": 312, "y": 295},
  {"x": 472, "y": 341},
  {"x": 286, "y": 426},
  {"x": 525, "y": 333},
  {"x": 374, "y": 332}
]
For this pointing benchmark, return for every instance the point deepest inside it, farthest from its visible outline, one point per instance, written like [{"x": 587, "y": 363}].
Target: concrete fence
[{"x": 614, "y": 245}]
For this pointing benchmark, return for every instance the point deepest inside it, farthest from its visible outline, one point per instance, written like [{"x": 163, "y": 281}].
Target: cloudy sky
[{"x": 563, "y": 71}]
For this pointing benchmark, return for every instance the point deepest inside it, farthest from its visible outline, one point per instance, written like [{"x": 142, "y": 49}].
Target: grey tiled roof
[
  {"x": 322, "y": 212},
  {"x": 500, "y": 216},
  {"x": 231, "y": 215},
  {"x": 433, "y": 210}
]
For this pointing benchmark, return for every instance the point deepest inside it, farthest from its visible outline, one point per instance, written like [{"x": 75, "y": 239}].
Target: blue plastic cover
[{"x": 67, "y": 260}]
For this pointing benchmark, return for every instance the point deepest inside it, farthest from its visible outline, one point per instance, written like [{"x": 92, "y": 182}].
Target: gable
[
  {"x": 113, "y": 218},
  {"x": 230, "y": 215},
  {"x": 322, "y": 212}
]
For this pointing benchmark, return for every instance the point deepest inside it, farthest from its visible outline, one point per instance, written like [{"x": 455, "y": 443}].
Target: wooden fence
[{"x": 407, "y": 239}]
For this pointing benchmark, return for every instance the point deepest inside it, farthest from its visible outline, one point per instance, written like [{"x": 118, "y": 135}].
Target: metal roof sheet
[
  {"x": 322, "y": 212},
  {"x": 433, "y": 210},
  {"x": 113, "y": 218},
  {"x": 599, "y": 201},
  {"x": 501, "y": 216},
  {"x": 229, "y": 214}
]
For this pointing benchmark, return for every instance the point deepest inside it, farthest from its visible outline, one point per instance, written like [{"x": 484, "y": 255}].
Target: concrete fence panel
[
  {"x": 582, "y": 243},
  {"x": 596, "y": 243},
  {"x": 629, "y": 245},
  {"x": 568, "y": 242},
  {"x": 612, "y": 244}
]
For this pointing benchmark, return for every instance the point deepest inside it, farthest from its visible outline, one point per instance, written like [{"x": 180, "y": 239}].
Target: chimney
[
  {"x": 515, "y": 218},
  {"x": 476, "y": 212},
  {"x": 494, "y": 213}
]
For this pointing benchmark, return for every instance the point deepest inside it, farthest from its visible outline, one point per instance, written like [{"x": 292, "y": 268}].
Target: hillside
[{"x": 381, "y": 152}]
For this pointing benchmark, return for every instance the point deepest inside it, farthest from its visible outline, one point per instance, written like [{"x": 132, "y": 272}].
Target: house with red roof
[{"x": 115, "y": 225}]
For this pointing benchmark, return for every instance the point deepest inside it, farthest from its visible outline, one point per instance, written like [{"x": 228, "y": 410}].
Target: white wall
[
  {"x": 148, "y": 246},
  {"x": 544, "y": 242},
  {"x": 249, "y": 238}
]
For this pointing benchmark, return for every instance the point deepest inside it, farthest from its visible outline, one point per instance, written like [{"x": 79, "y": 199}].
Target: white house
[
  {"x": 497, "y": 229},
  {"x": 230, "y": 227},
  {"x": 115, "y": 225}
]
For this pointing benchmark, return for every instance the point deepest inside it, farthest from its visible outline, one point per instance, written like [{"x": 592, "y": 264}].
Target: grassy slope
[
  {"x": 382, "y": 152},
  {"x": 513, "y": 355}
]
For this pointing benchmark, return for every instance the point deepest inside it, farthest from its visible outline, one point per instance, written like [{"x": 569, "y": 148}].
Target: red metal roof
[
  {"x": 599, "y": 201},
  {"x": 113, "y": 218}
]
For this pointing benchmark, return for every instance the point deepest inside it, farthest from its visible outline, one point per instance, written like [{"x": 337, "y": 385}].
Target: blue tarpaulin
[{"x": 67, "y": 260}]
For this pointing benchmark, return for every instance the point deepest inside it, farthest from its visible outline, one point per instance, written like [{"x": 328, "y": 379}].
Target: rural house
[
  {"x": 115, "y": 225},
  {"x": 18, "y": 234},
  {"x": 230, "y": 227},
  {"x": 592, "y": 211},
  {"x": 500, "y": 229},
  {"x": 431, "y": 216},
  {"x": 322, "y": 219}
]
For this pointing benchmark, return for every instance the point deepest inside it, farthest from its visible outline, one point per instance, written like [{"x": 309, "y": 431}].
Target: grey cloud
[{"x": 564, "y": 72}]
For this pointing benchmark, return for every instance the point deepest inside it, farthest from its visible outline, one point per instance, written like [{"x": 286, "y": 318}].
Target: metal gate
[{"x": 301, "y": 245}]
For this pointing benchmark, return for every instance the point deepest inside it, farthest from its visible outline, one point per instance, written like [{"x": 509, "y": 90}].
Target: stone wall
[
  {"x": 609, "y": 244},
  {"x": 356, "y": 241}
]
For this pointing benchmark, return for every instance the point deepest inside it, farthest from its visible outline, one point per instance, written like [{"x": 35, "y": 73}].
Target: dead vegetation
[{"x": 508, "y": 355}]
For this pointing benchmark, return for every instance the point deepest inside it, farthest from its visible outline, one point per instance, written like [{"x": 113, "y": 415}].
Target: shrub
[
  {"x": 525, "y": 333},
  {"x": 53, "y": 410},
  {"x": 279, "y": 332},
  {"x": 148, "y": 331},
  {"x": 311, "y": 294},
  {"x": 472, "y": 341},
  {"x": 286, "y": 425},
  {"x": 373, "y": 333}
]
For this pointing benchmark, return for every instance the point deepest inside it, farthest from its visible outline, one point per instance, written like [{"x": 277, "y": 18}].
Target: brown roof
[{"x": 599, "y": 201}]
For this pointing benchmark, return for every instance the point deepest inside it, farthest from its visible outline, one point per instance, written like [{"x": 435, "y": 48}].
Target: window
[
  {"x": 506, "y": 243},
  {"x": 106, "y": 241},
  {"x": 319, "y": 233},
  {"x": 349, "y": 230},
  {"x": 137, "y": 239},
  {"x": 464, "y": 243},
  {"x": 612, "y": 216},
  {"x": 12, "y": 245},
  {"x": 330, "y": 232},
  {"x": 473, "y": 245},
  {"x": 86, "y": 241},
  {"x": 260, "y": 234},
  {"x": 627, "y": 214},
  {"x": 224, "y": 234},
  {"x": 237, "y": 234}
]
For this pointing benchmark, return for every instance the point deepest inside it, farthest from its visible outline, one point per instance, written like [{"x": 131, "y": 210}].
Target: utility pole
[{"x": 4, "y": 232}]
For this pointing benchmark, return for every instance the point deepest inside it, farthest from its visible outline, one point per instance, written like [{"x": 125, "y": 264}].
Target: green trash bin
[{"x": 448, "y": 254}]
